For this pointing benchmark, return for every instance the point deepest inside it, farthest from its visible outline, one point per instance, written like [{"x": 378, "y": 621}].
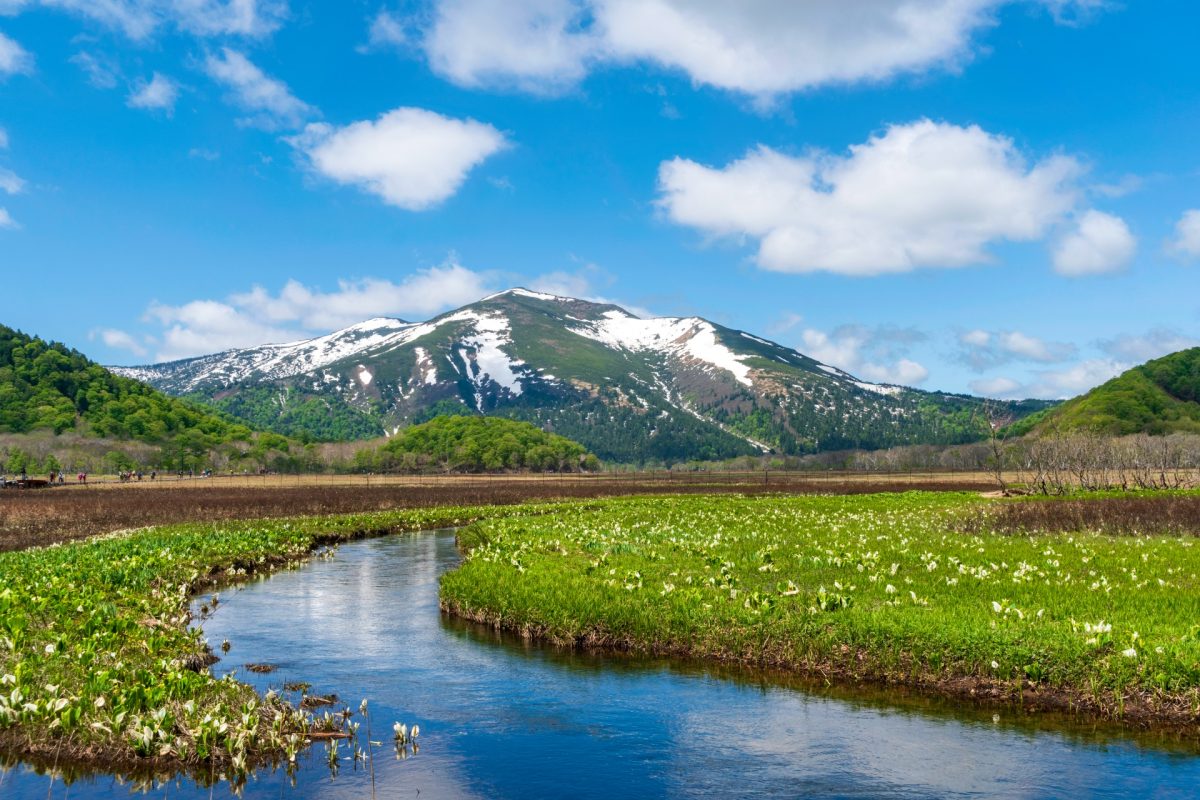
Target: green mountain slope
[
  {"x": 46, "y": 386},
  {"x": 629, "y": 389},
  {"x": 1158, "y": 397}
]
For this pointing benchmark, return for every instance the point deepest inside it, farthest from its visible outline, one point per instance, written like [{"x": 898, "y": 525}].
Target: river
[{"x": 503, "y": 718}]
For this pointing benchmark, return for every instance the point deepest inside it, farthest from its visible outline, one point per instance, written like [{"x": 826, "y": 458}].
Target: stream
[{"x": 505, "y": 718}]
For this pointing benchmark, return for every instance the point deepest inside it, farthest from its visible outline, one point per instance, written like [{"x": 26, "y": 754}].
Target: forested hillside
[
  {"x": 471, "y": 443},
  {"x": 1158, "y": 397},
  {"x": 48, "y": 387}
]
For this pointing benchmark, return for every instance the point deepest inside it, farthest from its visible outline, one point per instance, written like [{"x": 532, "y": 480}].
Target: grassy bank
[
  {"x": 97, "y": 663},
  {"x": 881, "y": 587}
]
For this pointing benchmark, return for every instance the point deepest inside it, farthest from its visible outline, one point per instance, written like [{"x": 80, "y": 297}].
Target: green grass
[
  {"x": 95, "y": 644},
  {"x": 879, "y": 587}
]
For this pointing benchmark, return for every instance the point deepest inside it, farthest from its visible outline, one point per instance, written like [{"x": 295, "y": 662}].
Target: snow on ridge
[
  {"x": 522, "y": 292},
  {"x": 878, "y": 388},
  {"x": 681, "y": 336}
]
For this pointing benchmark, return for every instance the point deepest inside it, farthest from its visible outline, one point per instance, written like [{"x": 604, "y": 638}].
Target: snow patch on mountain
[{"x": 680, "y": 336}]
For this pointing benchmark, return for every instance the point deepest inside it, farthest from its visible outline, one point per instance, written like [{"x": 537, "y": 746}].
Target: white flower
[
  {"x": 995, "y": 665},
  {"x": 1130, "y": 652},
  {"x": 890, "y": 589},
  {"x": 997, "y": 607},
  {"x": 49, "y": 649}
]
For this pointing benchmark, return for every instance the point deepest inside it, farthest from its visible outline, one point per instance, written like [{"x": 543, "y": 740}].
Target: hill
[
  {"x": 481, "y": 444},
  {"x": 1159, "y": 397},
  {"x": 629, "y": 389},
  {"x": 45, "y": 386}
]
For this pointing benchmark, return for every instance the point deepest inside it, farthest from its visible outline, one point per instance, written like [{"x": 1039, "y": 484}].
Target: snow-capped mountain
[{"x": 628, "y": 388}]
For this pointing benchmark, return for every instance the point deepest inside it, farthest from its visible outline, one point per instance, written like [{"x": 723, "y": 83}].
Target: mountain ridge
[{"x": 626, "y": 387}]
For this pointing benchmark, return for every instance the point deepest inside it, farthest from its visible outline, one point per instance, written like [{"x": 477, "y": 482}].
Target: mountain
[
  {"x": 1161, "y": 396},
  {"x": 45, "y": 386},
  {"x": 629, "y": 389}
]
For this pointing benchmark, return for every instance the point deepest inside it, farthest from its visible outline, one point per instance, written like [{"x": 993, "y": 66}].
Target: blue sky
[{"x": 967, "y": 195}]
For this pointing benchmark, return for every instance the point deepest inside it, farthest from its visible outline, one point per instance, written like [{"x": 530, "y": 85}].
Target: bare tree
[{"x": 998, "y": 418}]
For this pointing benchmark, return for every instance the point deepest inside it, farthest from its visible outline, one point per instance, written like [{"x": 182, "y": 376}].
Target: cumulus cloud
[
  {"x": 120, "y": 340},
  {"x": 411, "y": 158},
  {"x": 1099, "y": 243},
  {"x": 14, "y": 59},
  {"x": 1186, "y": 241},
  {"x": 924, "y": 194},
  {"x": 6, "y": 220},
  {"x": 1053, "y": 384},
  {"x": 268, "y": 99},
  {"x": 983, "y": 350},
  {"x": 536, "y": 45},
  {"x": 259, "y": 316},
  {"x": 160, "y": 93},
  {"x": 1153, "y": 344},
  {"x": 875, "y": 354},
  {"x": 756, "y": 47},
  {"x": 141, "y": 19}
]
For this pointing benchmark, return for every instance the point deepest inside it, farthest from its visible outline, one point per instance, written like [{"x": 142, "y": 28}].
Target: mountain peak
[{"x": 521, "y": 291}]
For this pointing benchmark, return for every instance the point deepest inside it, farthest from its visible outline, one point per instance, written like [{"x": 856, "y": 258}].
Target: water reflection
[{"x": 501, "y": 717}]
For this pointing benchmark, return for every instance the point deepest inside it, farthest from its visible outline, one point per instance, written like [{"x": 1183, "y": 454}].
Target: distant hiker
[
  {"x": 153, "y": 474},
  {"x": 61, "y": 479}
]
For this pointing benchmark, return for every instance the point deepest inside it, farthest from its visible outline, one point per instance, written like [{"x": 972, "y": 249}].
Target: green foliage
[
  {"x": 1158, "y": 397},
  {"x": 481, "y": 444},
  {"x": 880, "y": 586},
  {"x": 95, "y": 641},
  {"x": 48, "y": 386},
  {"x": 289, "y": 411}
]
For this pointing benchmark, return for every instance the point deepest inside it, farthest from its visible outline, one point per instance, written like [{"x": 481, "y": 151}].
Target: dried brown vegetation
[
  {"x": 1140, "y": 515},
  {"x": 33, "y": 518}
]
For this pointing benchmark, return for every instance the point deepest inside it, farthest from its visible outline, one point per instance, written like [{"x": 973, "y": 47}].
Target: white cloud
[
  {"x": 10, "y": 181},
  {"x": 1054, "y": 384},
  {"x": 1186, "y": 241},
  {"x": 924, "y": 194},
  {"x": 298, "y": 311},
  {"x": 986, "y": 349},
  {"x": 6, "y": 220},
  {"x": 581, "y": 285},
  {"x": 120, "y": 340},
  {"x": 535, "y": 45},
  {"x": 252, "y": 18},
  {"x": 757, "y": 47},
  {"x": 388, "y": 30},
  {"x": 100, "y": 71},
  {"x": 875, "y": 354},
  {"x": 3, "y": 139},
  {"x": 995, "y": 387},
  {"x": 209, "y": 326},
  {"x": 14, "y": 59},
  {"x": 424, "y": 293},
  {"x": 141, "y": 19},
  {"x": 1099, "y": 243},
  {"x": 268, "y": 99},
  {"x": 412, "y": 158},
  {"x": 1155, "y": 343},
  {"x": 160, "y": 92}
]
